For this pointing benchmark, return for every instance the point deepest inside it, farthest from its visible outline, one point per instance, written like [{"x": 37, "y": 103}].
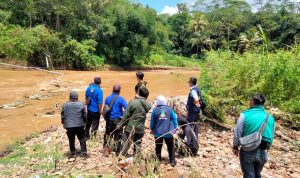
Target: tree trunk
[
  {"x": 30, "y": 20},
  {"x": 57, "y": 22}
]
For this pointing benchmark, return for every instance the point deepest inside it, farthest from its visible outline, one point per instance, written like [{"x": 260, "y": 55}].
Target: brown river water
[{"x": 41, "y": 95}]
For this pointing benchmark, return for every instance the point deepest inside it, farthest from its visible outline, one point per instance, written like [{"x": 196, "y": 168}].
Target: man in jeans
[
  {"x": 250, "y": 121},
  {"x": 116, "y": 112},
  {"x": 193, "y": 108},
  {"x": 94, "y": 100},
  {"x": 73, "y": 117},
  {"x": 134, "y": 120}
]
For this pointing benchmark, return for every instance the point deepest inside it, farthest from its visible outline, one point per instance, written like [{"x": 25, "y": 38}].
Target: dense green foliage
[
  {"x": 237, "y": 77},
  {"x": 86, "y": 34}
]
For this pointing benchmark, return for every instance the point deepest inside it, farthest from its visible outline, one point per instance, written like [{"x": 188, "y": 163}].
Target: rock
[
  {"x": 204, "y": 154},
  {"x": 295, "y": 175},
  {"x": 71, "y": 160},
  {"x": 47, "y": 140},
  {"x": 284, "y": 148}
]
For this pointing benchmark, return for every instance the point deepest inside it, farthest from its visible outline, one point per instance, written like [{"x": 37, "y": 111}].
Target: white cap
[{"x": 161, "y": 100}]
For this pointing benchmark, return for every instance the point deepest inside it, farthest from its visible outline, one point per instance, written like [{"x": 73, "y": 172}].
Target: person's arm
[
  {"x": 238, "y": 131},
  {"x": 84, "y": 116},
  {"x": 100, "y": 101},
  {"x": 124, "y": 103},
  {"x": 125, "y": 117},
  {"x": 196, "y": 98},
  {"x": 62, "y": 114},
  {"x": 87, "y": 96}
]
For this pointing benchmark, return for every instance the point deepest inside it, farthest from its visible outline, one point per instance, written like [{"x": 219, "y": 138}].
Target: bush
[
  {"x": 81, "y": 55},
  {"x": 230, "y": 75}
]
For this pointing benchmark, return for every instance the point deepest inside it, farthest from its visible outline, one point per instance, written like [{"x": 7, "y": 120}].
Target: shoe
[
  {"x": 105, "y": 151},
  {"x": 84, "y": 154},
  {"x": 173, "y": 163}
]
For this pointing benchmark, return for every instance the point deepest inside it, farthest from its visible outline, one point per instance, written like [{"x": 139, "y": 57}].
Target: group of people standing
[{"x": 125, "y": 123}]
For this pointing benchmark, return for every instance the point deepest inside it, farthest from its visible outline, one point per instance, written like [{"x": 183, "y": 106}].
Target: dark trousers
[
  {"x": 193, "y": 116},
  {"x": 127, "y": 141},
  {"x": 191, "y": 145},
  {"x": 79, "y": 132},
  {"x": 112, "y": 133},
  {"x": 170, "y": 145},
  {"x": 252, "y": 162},
  {"x": 93, "y": 119}
]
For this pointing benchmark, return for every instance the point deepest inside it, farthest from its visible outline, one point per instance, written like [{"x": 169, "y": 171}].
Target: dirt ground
[{"x": 214, "y": 159}]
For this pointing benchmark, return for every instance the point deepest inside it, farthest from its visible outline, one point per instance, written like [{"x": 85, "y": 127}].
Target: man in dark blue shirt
[
  {"x": 116, "y": 112},
  {"x": 194, "y": 109},
  {"x": 93, "y": 100}
]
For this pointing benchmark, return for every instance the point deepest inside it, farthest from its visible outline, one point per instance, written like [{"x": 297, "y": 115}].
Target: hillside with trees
[{"x": 87, "y": 34}]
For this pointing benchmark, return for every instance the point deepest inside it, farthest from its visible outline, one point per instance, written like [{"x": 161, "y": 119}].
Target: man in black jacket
[{"x": 73, "y": 117}]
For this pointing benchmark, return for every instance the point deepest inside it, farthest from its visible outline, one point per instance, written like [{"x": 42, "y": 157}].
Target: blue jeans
[{"x": 252, "y": 162}]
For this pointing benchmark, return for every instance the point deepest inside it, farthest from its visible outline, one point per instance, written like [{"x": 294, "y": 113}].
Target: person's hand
[
  {"x": 198, "y": 105},
  {"x": 235, "y": 152}
]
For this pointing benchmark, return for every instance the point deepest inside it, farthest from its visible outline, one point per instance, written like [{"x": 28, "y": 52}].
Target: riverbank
[
  {"x": 30, "y": 101},
  {"x": 46, "y": 154}
]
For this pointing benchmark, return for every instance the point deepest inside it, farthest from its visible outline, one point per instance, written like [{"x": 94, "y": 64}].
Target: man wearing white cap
[{"x": 163, "y": 125}]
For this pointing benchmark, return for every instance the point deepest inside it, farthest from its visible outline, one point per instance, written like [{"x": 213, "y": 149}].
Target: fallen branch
[
  {"x": 35, "y": 68},
  {"x": 219, "y": 124}
]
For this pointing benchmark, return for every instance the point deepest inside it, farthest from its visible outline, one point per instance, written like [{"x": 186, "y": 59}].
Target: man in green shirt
[
  {"x": 134, "y": 121},
  {"x": 250, "y": 121}
]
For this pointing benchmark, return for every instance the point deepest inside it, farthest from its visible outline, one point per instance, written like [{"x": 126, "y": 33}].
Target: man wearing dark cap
[
  {"x": 193, "y": 108},
  {"x": 73, "y": 117},
  {"x": 249, "y": 122},
  {"x": 93, "y": 100},
  {"x": 117, "y": 105}
]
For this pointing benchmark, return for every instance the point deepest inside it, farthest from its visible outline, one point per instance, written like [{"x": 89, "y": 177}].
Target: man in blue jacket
[
  {"x": 163, "y": 125},
  {"x": 250, "y": 121},
  {"x": 116, "y": 112},
  {"x": 93, "y": 100}
]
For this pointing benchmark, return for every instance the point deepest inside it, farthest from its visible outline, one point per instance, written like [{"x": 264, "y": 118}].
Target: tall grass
[{"x": 235, "y": 77}]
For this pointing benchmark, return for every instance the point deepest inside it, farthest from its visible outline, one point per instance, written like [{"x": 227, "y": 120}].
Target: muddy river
[{"x": 30, "y": 101}]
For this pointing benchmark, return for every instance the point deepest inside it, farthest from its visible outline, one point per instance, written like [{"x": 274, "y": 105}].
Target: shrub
[
  {"x": 231, "y": 75},
  {"x": 81, "y": 55}
]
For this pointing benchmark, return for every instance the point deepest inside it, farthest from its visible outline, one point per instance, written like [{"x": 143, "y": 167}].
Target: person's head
[
  {"x": 161, "y": 100},
  {"x": 192, "y": 81},
  {"x": 117, "y": 89},
  {"x": 143, "y": 92},
  {"x": 97, "y": 80},
  {"x": 257, "y": 99},
  {"x": 139, "y": 76},
  {"x": 73, "y": 96}
]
